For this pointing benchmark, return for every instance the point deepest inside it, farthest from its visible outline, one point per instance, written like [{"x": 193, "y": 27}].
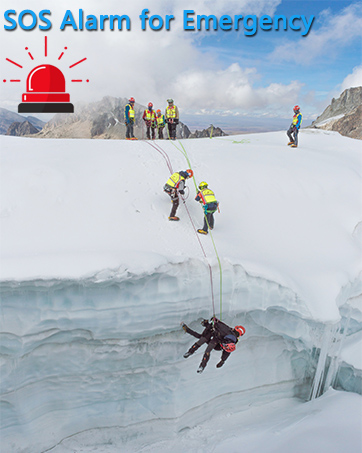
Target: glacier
[{"x": 95, "y": 283}]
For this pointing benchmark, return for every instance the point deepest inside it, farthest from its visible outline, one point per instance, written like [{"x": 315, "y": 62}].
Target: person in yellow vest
[
  {"x": 129, "y": 119},
  {"x": 172, "y": 118},
  {"x": 175, "y": 185},
  {"x": 149, "y": 118},
  {"x": 210, "y": 205},
  {"x": 293, "y": 130},
  {"x": 161, "y": 123}
]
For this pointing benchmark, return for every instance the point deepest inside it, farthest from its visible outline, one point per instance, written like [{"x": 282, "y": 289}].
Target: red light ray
[
  {"x": 15, "y": 80},
  {"x": 60, "y": 56},
  {"x": 46, "y": 46},
  {"x": 13, "y": 62},
  {"x": 30, "y": 55},
  {"x": 78, "y": 62}
]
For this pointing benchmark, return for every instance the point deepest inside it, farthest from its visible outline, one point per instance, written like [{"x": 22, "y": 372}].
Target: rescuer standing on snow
[
  {"x": 174, "y": 186},
  {"x": 149, "y": 118},
  {"x": 129, "y": 119},
  {"x": 172, "y": 118},
  {"x": 207, "y": 198},
  {"x": 160, "y": 123},
  {"x": 293, "y": 130},
  {"x": 218, "y": 336}
]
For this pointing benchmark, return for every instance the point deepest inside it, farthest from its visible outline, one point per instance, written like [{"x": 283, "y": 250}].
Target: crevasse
[{"x": 107, "y": 351}]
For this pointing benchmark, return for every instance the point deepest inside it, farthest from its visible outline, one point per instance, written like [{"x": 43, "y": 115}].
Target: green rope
[{"x": 183, "y": 151}]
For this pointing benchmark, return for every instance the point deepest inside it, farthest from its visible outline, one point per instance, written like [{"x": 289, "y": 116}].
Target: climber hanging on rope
[
  {"x": 174, "y": 186},
  {"x": 210, "y": 205},
  {"x": 218, "y": 336}
]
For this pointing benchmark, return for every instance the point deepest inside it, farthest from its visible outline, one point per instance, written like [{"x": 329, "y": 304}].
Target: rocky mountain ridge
[
  {"x": 21, "y": 129},
  {"x": 7, "y": 118},
  {"x": 343, "y": 115},
  {"x": 102, "y": 120},
  {"x": 211, "y": 131}
]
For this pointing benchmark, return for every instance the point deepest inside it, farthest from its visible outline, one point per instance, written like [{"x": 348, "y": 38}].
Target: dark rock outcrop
[
  {"x": 21, "y": 129},
  {"x": 7, "y": 118},
  {"x": 343, "y": 115},
  {"x": 216, "y": 132}
]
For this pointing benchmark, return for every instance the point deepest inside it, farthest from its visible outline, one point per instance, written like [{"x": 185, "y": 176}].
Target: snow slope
[{"x": 95, "y": 281}]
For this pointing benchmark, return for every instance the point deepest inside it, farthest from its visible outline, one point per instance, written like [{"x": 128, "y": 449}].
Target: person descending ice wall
[
  {"x": 174, "y": 186},
  {"x": 293, "y": 130},
  {"x": 210, "y": 205},
  {"x": 218, "y": 336}
]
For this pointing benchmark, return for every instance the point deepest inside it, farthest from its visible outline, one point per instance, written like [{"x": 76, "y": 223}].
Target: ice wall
[{"x": 107, "y": 351}]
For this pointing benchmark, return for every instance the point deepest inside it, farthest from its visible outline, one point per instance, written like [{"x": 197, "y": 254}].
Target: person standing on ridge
[
  {"x": 172, "y": 118},
  {"x": 218, "y": 336},
  {"x": 150, "y": 119},
  {"x": 210, "y": 205},
  {"x": 175, "y": 185},
  {"x": 161, "y": 123},
  {"x": 129, "y": 119},
  {"x": 293, "y": 130}
]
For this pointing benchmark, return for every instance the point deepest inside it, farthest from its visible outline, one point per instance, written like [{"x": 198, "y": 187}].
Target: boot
[
  {"x": 174, "y": 218},
  {"x": 220, "y": 364},
  {"x": 294, "y": 145},
  {"x": 202, "y": 231},
  {"x": 191, "y": 351},
  {"x": 200, "y": 369},
  {"x": 290, "y": 143}
]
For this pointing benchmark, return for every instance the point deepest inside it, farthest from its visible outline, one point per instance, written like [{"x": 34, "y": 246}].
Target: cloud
[
  {"x": 337, "y": 32},
  {"x": 151, "y": 66},
  {"x": 353, "y": 80},
  {"x": 232, "y": 88}
]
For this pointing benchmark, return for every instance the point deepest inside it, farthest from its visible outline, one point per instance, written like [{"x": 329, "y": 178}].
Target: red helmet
[
  {"x": 190, "y": 172},
  {"x": 296, "y": 108},
  {"x": 131, "y": 100},
  {"x": 158, "y": 111},
  {"x": 150, "y": 105},
  {"x": 240, "y": 330},
  {"x": 228, "y": 347}
]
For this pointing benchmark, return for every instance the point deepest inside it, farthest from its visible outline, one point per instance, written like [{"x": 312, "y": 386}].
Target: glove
[
  {"x": 182, "y": 192},
  {"x": 176, "y": 121},
  {"x": 184, "y": 326},
  {"x": 220, "y": 364}
]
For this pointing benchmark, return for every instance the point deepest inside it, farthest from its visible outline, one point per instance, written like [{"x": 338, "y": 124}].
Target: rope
[{"x": 183, "y": 151}]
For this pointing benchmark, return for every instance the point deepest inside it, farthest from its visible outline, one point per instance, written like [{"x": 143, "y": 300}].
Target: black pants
[
  {"x": 214, "y": 344},
  {"x": 209, "y": 222},
  {"x": 160, "y": 133},
  {"x": 174, "y": 199},
  {"x": 172, "y": 130},
  {"x": 129, "y": 130},
  {"x": 148, "y": 132},
  {"x": 292, "y": 133}
]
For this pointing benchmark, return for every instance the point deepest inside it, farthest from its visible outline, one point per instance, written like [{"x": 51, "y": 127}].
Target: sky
[{"x": 223, "y": 77}]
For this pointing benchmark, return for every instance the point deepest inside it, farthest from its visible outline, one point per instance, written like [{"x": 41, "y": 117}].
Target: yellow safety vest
[
  {"x": 207, "y": 196},
  {"x": 150, "y": 115},
  {"x": 174, "y": 179},
  {"x": 160, "y": 120},
  {"x": 130, "y": 112},
  {"x": 171, "y": 112},
  {"x": 296, "y": 119}
]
